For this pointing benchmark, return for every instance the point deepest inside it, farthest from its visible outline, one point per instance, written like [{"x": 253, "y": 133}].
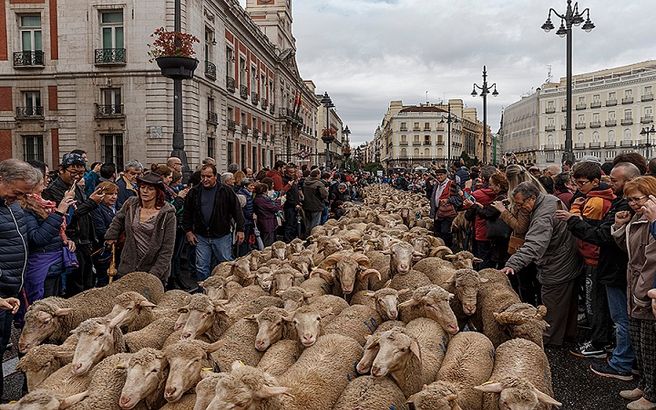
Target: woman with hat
[{"x": 149, "y": 224}]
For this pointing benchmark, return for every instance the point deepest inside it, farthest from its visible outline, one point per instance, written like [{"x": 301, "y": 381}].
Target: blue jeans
[
  {"x": 622, "y": 356},
  {"x": 209, "y": 250}
]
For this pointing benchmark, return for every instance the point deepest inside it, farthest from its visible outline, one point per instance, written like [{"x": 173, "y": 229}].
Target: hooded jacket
[
  {"x": 483, "y": 196},
  {"x": 593, "y": 210},
  {"x": 314, "y": 195},
  {"x": 13, "y": 240}
]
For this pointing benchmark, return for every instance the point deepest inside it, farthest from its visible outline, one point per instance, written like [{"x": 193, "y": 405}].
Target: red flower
[{"x": 172, "y": 44}]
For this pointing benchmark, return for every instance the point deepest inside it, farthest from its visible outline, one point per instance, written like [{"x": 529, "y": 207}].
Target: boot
[
  {"x": 641, "y": 404},
  {"x": 634, "y": 394}
]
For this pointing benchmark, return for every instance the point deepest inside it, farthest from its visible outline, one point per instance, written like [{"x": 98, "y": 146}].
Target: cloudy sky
[{"x": 368, "y": 52}]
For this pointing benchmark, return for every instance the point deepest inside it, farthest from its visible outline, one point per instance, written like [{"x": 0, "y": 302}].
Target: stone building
[{"x": 76, "y": 74}]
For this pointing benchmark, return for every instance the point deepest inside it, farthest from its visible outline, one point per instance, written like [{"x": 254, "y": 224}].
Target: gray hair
[
  {"x": 16, "y": 170},
  {"x": 488, "y": 171},
  {"x": 630, "y": 170},
  {"x": 134, "y": 165},
  {"x": 234, "y": 167},
  {"x": 226, "y": 176},
  {"x": 527, "y": 190}
]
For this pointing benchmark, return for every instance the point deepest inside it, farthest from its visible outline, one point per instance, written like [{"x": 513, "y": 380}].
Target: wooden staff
[{"x": 111, "y": 271}]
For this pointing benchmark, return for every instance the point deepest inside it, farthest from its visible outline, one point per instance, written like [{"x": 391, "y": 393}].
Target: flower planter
[{"x": 177, "y": 67}]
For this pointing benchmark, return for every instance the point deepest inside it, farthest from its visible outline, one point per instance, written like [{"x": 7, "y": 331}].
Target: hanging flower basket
[
  {"x": 174, "y": 53},
  {"x": 177, "y": 67}
]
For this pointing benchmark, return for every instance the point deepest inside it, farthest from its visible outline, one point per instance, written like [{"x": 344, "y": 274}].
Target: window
[
  {"x": 579, "y": 137},
  {"x": 404, "y": 152},
  {"x": 416, "y": 139},
  {"x": 209, "y": 44},
  {"x": 403, "y": 138},
  {"x": 611, "y": 136},
  {"x": 628, "y": 93},
  {"x": 112, "y": 149},
  {"x": 416, "y": 152},
  {"x": 611, "y": 115},
  {"x": 647, "y": 90},
  {"x": 242, "y": 71},
  {"x": 427, "y": 126},
  {"x": 427, "y": 152},
  {"x": 254, "y": 158},
  {"x": 263, "y": 159},
  {"x": 581, "y": 100},
  {"x": 262, "y": 86},
  {"x": 230, "y": 66},
  {"x": 271, "y": 90},
  {"x": 595, "y": 136},
  {"x": 242, "y": 156},
  {"x": 111, "y": 101},
  {"x": 440, "y": 140},
  {"x": 440, "y": 152},
  {"x": 404, "y": 127},
  {"x": 210, "y": 105},
  {"x": 416, "y": 126},
  {"x": 231, "y": 114},
  {"x": 253, "y": 79},
  {"x": 550, "y": 105},
  {"x": 427, "y": 139},
  {"x": 648, "y": 112},
  {"x": 30, "y": 33},
  {"x": 596, "y": 98},
  {"x": 32, "y": 148},
  {"x": 581, "y": 119},
  {"x": 611, "y": 95},
  {"x": 243, "y": 118},
  {"x": 231, "y": 152},
  {"x": 627, "y": 134},
  {"x": 32, "y": 101},
  {"x": 211, "y": 141},
  {"x": 627, "y": 115},
  {"x": 551, "y": 122},
  {"x": 111, "y": 26}
]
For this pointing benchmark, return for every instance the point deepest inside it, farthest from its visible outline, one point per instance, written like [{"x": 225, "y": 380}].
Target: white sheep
[
  {"x": 186, "y": 359},
  {"x": 356, "y": 321},
  {"x": 433, "y": 302},
  {"x": 44, "y": 400},
  {"x": 41, "y": 361},
  {"x": 368, "y": 392},
  {"x": 147, "y": 371},
  {"x": 385, "y": 301},
  {"x": 279, "y": 357}
]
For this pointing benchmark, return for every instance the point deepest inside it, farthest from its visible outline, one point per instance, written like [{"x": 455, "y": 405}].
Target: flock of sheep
[{"x": 365, "y": 314}]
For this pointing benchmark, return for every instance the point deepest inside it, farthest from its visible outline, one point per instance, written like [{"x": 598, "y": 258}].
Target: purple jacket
[{"x": 265, "y": 209}]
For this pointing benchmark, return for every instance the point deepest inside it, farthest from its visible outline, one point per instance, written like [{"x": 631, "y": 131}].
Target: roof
[{"x": 423, "y": 108}]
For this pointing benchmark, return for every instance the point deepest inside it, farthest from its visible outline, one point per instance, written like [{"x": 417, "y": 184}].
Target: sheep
[
  {"x": 279, "y": 249},
  {"x": 43, "y": 400},
  {"x": 147, "y": 371},
  {"x": 217, "y": 287},
  {"x": 135, "y": 310},
  {"x": 241, "y": 310},
  {"x": 246, "y": 294},
  {"x": 153, "y": 335},
  {"x": 106, "y": 384},
  {"x": 430, "y": 301},
  {"x": 97, "y": 338},
  {"x": 204, "y": 390},
  {"x": 433, "y": 341},
  {"x": 402, "y": 254},
  {"x": 521, "y": 378},
  {"x": 63, "y": 383},
  {"x": 319, "y": 282},
  {"x": 264, "y": 278},
  {"x": 238, "y": 270},
  {"x": 237, "y": 343},
  {"x": 525, "y": 321},
  {"x": 385, "y": 301},
  {"x": 493, "y": 297},
  {"x": 294, "y": 297},
  {"x": 271, "y": 327},
  {"x": 53, "y": 318},
  {"x": 41, "y": 361},
  {"x": 356, "y": 321},
  {"x": 468, "y": 362},
  {"x": 308, "y": 320},
  {"x": 410, "y": 281},
  {"x": 186, "y": 359},
  {"x": 295, "y": 246},
  {"x": 279, "y": 357},
  {"x": 285, "y": 278},
  {"x": 350, "y": 272},
  {"x": 186, "y": 402},
  {"x": 368, "y": 392},
  {"x": 435, "y": 268},
  {"x": 302, "y": 262},
  {"x": 203, "y": 316}
]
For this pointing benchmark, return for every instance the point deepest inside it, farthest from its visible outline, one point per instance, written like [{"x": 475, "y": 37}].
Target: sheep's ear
[
  {"x": 146, "y": 304},
  {"x": 64, "y": 354},
  {"x": 545, "y": 398},
  {"x": 213, "y": 347},
  {"x": 63, "y": 311},
  {"x": 122, "y": 365},
  {"x": 451, "y": 296},
  {"x": 74, "y": 399},
  {"x": 8, "y": 406},
  {"x": 490, "y": 387},
  {"x": 451, "y": 280},
  {"x": 403, "y": 291},
  {"x": 266, "y": 392},
  {"x": 449, "y": 257},
  {"x": 252, "y": 317},
  {"x": 388, "y": 283},
  {"x": 408, "y": 303},
  {"x": 386, "y": 252},
  {"x": 414, "y": 348}
]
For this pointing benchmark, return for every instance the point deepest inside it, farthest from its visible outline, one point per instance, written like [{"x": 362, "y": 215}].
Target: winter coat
[
  {"x": 549, "y": 244},
  {"x": 566, "y": 197},
  {"x": 43, "y": 234},
  {"x": 80, "y": 227},
  {"x": 226, "y": 208},
  {"x": 125, "y": 190},
  {"x": 640, "y": 245},
  {"x": 248, "y": 208},
  {"x": 314, "y": 194},
  {"x": 612, "y": 259},
  {"x": 451, "y": 192},
  {"x": 277, "y": 179},
  {"x": 483, "y": 196},
  {"x": 292, "y": 197},
  {"x": 14, "y": 244},
  {"x": 266, "y": 209},
  {"x": 158, "y": 258},
  {"x": 102, "y": 218},
  {"x": 597, "y": 204}
]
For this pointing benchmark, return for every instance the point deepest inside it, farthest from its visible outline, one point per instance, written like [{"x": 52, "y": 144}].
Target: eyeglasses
[
  {"x": 582, "y": 183},
  {"x": 635, "y": 199},
  {"x": 521, "y": 203}
]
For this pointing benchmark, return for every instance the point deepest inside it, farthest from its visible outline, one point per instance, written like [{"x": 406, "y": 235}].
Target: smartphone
[{"x": 469, "y": 196}]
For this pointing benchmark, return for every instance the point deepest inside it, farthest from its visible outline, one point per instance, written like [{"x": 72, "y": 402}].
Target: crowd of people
[{"x": 578, "y": 238}]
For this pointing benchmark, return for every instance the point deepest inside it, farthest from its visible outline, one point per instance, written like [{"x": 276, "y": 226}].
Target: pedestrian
[
  {"x": 149, "y": 224},
  {"x": 292, "y": 203},
  {"x": 265, "y": 210},
  {"x": 127, "y": 183},
  {"x": 175, "y": 164},
  {"x": 102, "y": 218},
  {"x": 497, "y": 231},
  {"x": 247, "y": 191},
  {"x": 228, "y": 178},
  {"x": 107, "y": 173},
  {"x": 314, "y": 196},
  {"x": 208, "y": 211},
  {"x": 276, "y": 175},
  {"x": 632, "y": 233},
  {"x": 564, "y": 188},
  {"x": 79, "y": 224},
  {"x": 92, "y": 178},
  {"x": 478, "y": 200},
  {"x": 17, "y": 179},
  {"x": 552, "y": 248},
  {"x": 446, "y": 201},
  {"x": 338, "y": 199}
]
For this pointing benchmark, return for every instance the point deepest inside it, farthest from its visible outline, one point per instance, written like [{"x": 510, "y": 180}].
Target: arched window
[
  {"x": 611, "y": 136},
  {"x": 416, "y": 152},
  {"x": 550, "y": 140},
  {"x": 404, "y": 152},
  {"x": 579, "y": 137},
  {"x": 627, "y": 134},
  {"x": 426, "y": 152},
  {"x": 440, "y": 153},
  {"x": 595, "y": 136}
]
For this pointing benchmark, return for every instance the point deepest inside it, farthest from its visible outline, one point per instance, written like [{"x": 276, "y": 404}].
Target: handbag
[
  {"x": 498, "y": 229},
  {"x": 446, "y": 211},
  {"x": 70, "y": 259},
  {"x": 514, "y": 244}
]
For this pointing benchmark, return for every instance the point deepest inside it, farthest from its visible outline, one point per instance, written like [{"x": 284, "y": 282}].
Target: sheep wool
[
  {"x": 368, "y": 392},
  {"x": 356, "y": 322},
  {"x": 280, "y": 357}
]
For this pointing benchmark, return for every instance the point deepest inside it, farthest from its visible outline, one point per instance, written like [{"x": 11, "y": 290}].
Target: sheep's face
[
  {"x": 463, "y": 260},
  {"x": 97, "y": 340},
  {"x": 436, "y": 396},
  {"x": 387, "y": 305},
  {"x": 39, "y": 326},
  {"x": 332, "y": 246},
  {"x": 467, "y": 283},
  {"x": 143, "y": 378},
  {"x": 129, "y": 309},
  {"x": 421, "y": 245},
  {"x": 437, "y": 307},
  {"x": 303, "y": 265},
  {"x": 270, "y": 327},
  {"x": 199, "y": 320},
  {"x": 41, "y": 400},
  {"x": 370, "y": 352},
  {"x": 517, "y": 394},
  {"x": 279, "y": 252},
  {"x": 245, "y": 388},
  {"x": 241, "y": 268},
  {"x": 264, "y": 278},
  {"x": 531, "y": 330},
  {"x": 296, "y": 246},
  {"x": 308, "y": 327},
  {"x": 401, "y": 260},
  {"x": 184, "y": 373},
  {"x": 346, "y": 271},
  {"x": 394, "y": 350},
  {"x": 39, "y": 363}
]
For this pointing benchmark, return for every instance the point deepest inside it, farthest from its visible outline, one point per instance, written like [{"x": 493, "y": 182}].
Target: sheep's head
[
  {"x": 402, "y": 254},
  {"x": 294, "y": 297},
  {"x": 42, "y": 319},
  {"x": 271, "y": 322},
  {"x": 205, "y": 389},
  {"x": 98, "y": 338},
  {"x": 241, "y": 268},
  {"x": 369, "y": 354},
  {"x": 307, "y": 323},
  {"x": 44, "y": 400},
  {"x": 128, "y": 306},
  {"x": 524, "y": 321},
  {"x": 264, "y": 278},
  {"x": 41, "y": 361},
  {"x": 516, "y": 394},
  {"x": 146, "y": 372},
  {"x": 255, "y": 258},
  {"x": 387, "y": 301},
  {"x": 186, "y": 360},
  {"x": 279, "y": 249},
  {"x": 244, "y": 388},
  {"x": 332, "y": 245},
  {"x": 285, "y": 278},
  {"x": 440, "y": 395},
  {"x": 348, "y": 268},
  {"x": 201, "y": 313},
  {"x": 434, "y": 300},
  {"x": 463, "y": 260},
  {"x": 303, "y": 262},
  {"x": 295, "y": 246},
  {"x": 466, "y": 283},
  {"x": 395, "y": 349},
  {"x": 217, "y": 287}
]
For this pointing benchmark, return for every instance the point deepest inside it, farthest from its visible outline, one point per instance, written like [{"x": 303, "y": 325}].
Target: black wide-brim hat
[{"x": 151, "y": 178}]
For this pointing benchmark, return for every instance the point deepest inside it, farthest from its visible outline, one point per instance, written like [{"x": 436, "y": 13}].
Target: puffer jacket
[
  {"x": 597, "y": 204},
  {"x": 13, "y": 241},
  {"x": 483, "y": 196},
  {"x": 43, "y": 234},
  {"x": 636, "y": 239}
]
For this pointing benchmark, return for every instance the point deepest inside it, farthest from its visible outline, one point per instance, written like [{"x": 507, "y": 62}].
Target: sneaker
[
  {"x": 588, "y": 350},
  {"x": 604, "y": 370},
  {"x": 634, "y": 394},
  {"x": 641, "y": 404}
]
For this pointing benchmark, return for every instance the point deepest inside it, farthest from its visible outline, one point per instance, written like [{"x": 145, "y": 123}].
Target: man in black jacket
[
  {"x": 208, "y": 211},
  {"x": 292, "y": 203},
  {"x": 612, "y": 271},
  {"x": 79, "y": 224},
  {"x": 17, "y": 179}
]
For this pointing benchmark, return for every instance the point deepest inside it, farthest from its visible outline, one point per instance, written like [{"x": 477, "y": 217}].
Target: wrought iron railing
[{"x": 107, "y": 56}]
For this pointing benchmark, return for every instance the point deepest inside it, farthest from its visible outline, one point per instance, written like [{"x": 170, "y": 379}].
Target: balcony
[
  {"x": 549, "y": 128},
  {"x": 427, "y": 129},
  {"x": 427, "y": 143},
  {"x": 550, "y": 110},
  {"x": 28, "y": 59},
  {"x": 611, "y": 123},
  {"x": 403, "y": 143},
  {"x": 29, "y": 113},
  {"x": 595, "y": 124},
  {"x": 272, "y": 108},
  {"x": 579, "y": 145},
  {"x": 627, "y": 100},
  {"x": 552, "y": 147},
  {"x": 595, "y": 104},
  {"x": 264, "y": 136},
  {"x": 243, "y": 91},
  {"x": 403, "y": 129},
  {"x": 626, "y": 143},
  {"x": 580, "y": 126},
  {"x": 256, "y": 133},
  {"x": 232, "y": 125},
  {"x": 110, "y": 56},
  {"x": 609, "y": 144},
  {"x": 255, "y": 98},
  {"x": 416, "y": 143},
  {"x": 581, "y": 106},
  {"x": 647, "y": 97},
  {"x": 416, "y": 129},
  {"x": 594, "y": 145},
  {"x": 244, "y": 129},
  {"x": 212, "y": 118},
  {"x": 647, "y": 119},
  {"x": 265, "y": 104},
  {"x": 230, "y": 84},
  {"x": 627, "y": 121},
  {"x": 440, "y": 142},
  {"x": 611, "y": 103},
  {"x": 110, "y": 111},
  {"x": 210, "y": 70}
]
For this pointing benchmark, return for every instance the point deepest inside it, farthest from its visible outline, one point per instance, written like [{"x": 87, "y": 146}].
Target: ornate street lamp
[
  {"x": 571, "y": 17},
  {"x": 327, "y": 136},
  {"x": 648, "y": 131},
  {"x": 485, "y": 90},
  {"x": 449, "y": 119}
]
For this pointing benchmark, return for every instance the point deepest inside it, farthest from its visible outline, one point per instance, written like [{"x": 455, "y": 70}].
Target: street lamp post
[
  {"x": 178, "y": 130},
  {"x": 648, "y": 131},
  {"x": 326, "y": 135},
  {"x": 571, "y": 17},
  {"x": 449, "y": 119},
  {"x": 485, "y": 90}
]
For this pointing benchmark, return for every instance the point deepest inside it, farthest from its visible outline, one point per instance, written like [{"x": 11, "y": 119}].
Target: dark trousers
[
  {"x": 290, "y": 228},
  {"x": 643, "y": 338},
  {"x": 268, "y": 238},
  {"x": 5, "y": 333},
  {"x": 442, "y": 229},
  {"x": 81, "y": 278},
  {"x": 528, "y": 285},
  {"x": 560, "y": 301},
  {"x": 483, "y": 250},
  {"x": 601, "y": 325}
]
